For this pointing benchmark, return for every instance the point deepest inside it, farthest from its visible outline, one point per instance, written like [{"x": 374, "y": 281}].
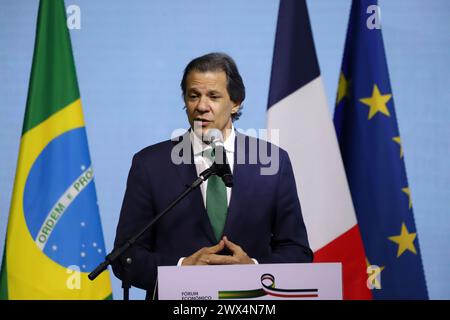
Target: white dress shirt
[{"x": 202, "y": 163}]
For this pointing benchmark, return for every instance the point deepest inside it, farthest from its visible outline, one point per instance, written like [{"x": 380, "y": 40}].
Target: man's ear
[{"x": 235, "y": 108}]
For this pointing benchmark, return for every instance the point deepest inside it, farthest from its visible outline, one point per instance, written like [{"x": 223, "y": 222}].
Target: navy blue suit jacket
[{"x": 264, "y": 214}]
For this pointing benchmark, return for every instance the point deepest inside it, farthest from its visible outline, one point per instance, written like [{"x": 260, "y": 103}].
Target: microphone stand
[{"x": 117, "y": 252}]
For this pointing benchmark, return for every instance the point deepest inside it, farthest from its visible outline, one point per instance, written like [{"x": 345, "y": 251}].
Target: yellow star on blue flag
[
  {"x": 377, "y": 102},
  {"x": 405, "y": 241}
]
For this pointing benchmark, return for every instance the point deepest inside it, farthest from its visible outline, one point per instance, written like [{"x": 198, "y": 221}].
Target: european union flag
[{"x": 371, "y": 148}]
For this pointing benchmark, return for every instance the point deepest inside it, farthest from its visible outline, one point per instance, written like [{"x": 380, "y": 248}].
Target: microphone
[{"x": 214, "y": 136}]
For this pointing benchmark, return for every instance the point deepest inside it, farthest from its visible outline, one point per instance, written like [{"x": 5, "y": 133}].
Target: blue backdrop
[{"x": 130, "y": 57}]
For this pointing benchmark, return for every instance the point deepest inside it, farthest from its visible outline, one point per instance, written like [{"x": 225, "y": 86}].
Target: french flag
[{"x": 298, "y": 108}]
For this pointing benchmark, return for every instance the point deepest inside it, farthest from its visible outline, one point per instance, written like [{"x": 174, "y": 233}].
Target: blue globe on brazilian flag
[{"x": 54, "y": 236}]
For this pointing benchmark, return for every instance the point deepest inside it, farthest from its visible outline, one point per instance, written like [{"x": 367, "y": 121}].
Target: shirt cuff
[
  {"x": 180, "y": 262},
  {"x": 255, "y": 261}
]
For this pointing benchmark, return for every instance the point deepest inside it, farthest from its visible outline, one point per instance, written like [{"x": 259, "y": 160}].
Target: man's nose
[{"x": 203, "y": 104}]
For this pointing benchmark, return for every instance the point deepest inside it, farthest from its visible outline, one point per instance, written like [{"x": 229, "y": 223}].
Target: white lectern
[{"x": 307, "y": 281}]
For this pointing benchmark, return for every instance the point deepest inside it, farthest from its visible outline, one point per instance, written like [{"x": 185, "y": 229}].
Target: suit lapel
[
  {"x": 188, "y": 174},
  {"x": 186, "y": 169},
  {"x": 238, "y": 180}
]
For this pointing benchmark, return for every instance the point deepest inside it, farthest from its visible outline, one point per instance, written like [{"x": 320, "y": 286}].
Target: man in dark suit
[{"x": 258, "y": 220}]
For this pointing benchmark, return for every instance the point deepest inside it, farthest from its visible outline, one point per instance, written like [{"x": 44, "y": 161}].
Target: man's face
[{"x": 208, "y": 103}]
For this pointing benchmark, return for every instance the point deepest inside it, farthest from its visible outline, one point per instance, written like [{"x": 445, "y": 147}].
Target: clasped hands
[{"x": 209, "y": 255}]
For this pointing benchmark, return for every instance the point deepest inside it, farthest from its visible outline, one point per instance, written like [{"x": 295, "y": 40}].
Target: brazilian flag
[{"x": 54, "y": 236}]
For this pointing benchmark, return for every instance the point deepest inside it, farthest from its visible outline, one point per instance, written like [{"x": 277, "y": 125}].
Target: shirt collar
[{"x": 199, "y": 146}]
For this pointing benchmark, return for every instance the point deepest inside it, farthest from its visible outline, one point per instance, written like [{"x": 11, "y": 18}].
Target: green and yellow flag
[{"x": 54, "y": 236}]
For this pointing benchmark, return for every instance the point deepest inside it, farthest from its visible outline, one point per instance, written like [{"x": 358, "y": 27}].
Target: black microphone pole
[{"x": 116, "y": 253}]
